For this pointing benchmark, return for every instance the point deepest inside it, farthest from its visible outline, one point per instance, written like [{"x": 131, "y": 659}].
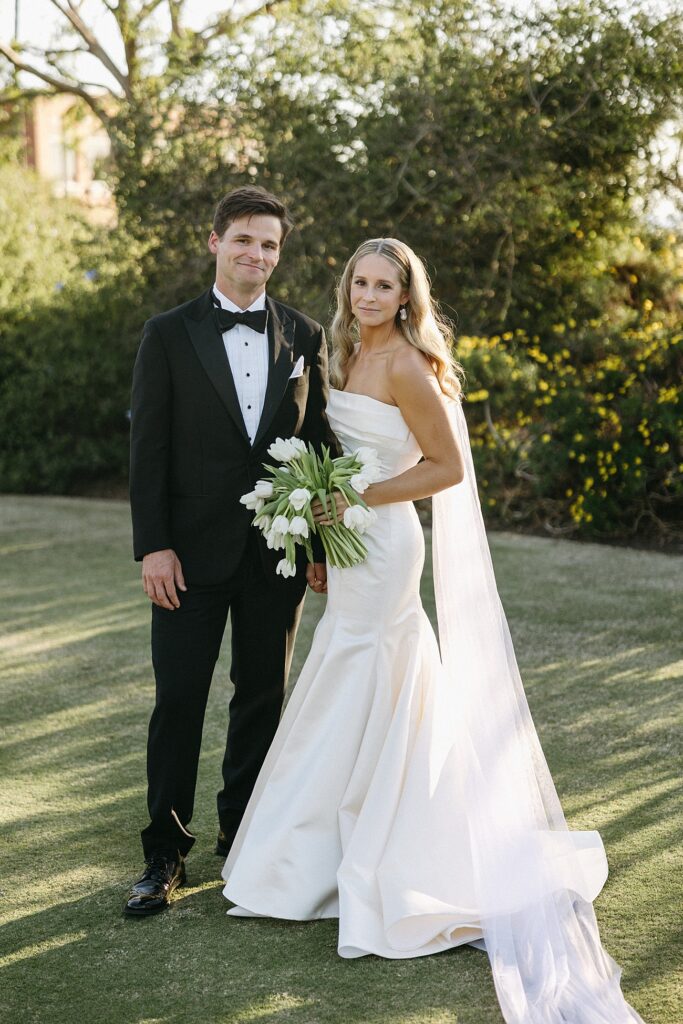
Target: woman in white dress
[{"x": 406, "y": 792}]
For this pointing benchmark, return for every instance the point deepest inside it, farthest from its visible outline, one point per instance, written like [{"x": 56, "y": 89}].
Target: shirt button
[
  {"x": 248, "y": 375},
  {"x": 248, "y": 407},
  {"x": 246, "y": 344}
]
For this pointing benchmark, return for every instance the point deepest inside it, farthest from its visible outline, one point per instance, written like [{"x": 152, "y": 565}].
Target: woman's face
[{"x": 376, "y": 291}]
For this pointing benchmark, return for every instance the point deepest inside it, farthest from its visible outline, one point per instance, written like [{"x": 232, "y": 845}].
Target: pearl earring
[{"x": 403, "y": 313}]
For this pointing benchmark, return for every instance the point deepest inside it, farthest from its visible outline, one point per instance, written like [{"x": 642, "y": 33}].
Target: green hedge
[
  {"x": 65, "y": 372},
  {"x": 576, "y": 432}
]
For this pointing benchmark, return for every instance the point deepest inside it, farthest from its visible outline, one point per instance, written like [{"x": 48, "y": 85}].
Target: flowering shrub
[{"x": 580, "y": 431}]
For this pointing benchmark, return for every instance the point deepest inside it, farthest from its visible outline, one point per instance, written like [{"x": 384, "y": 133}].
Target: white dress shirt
[{"x": 247, "y": 352}]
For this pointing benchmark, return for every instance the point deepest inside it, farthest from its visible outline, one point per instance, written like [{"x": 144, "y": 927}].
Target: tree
[{"x": 510, "y": 152}]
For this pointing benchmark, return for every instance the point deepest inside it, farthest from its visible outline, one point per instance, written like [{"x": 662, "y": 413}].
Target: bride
[{"x": 406, "y": 792}]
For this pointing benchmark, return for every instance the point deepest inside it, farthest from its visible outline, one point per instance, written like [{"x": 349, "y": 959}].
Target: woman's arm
[{"x": 415, "y": 390}]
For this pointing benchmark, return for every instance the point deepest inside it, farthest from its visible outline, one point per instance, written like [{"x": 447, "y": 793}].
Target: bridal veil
[{"x": 534, "y": 879}]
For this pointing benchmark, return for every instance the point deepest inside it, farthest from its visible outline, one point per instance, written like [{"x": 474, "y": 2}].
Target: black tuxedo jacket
[{"x": 191, "y": 459}]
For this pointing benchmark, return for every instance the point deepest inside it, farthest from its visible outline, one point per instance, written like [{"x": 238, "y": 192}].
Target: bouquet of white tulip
[{"x": 282, "y": 504}]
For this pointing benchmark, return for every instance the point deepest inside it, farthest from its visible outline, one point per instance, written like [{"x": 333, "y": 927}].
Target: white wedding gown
[{"x": 364, "y": 809}]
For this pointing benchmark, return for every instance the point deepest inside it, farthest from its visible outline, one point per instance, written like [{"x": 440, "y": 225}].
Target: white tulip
[
  {"x": 259, "y": 505},
  {"x": 275, "y": 541},
  {"x": 249, "y": 500},
  {"x": 263, "y": 489},
  {"x": 280, "y": 450},
  {"x": 299, "y": 498},
  {"x": 367, "y": 457},
  {"x": 285, "y": 568},
  {"x": 263, "y": 523},
  {"x": 359, "y": 482},
  {"x": 358, "y": 518},
  {"x": 280, "y": 525},
  {"x": 298, "y": 527},
  {"x": 284, "y": 450}
]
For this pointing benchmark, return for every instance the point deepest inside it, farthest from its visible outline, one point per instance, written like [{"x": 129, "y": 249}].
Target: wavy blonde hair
[{"x": 425, "y": 327}]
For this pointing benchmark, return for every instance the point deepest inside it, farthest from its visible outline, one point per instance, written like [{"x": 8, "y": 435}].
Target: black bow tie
[{"x": 257, "y": 319}]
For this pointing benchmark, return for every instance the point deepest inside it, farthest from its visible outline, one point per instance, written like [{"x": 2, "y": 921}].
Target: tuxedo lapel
[
  {"x": 280, "y": 362},
  {"x": 208, "y": 344}
]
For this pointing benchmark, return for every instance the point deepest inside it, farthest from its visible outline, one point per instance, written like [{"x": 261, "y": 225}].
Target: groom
[{"x": 216, "y": 380}]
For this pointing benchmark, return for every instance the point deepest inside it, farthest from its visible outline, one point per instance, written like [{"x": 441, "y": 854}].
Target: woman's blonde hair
[{"x": 425, "y": 327}]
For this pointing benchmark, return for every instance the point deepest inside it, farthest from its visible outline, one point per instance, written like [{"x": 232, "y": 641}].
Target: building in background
[{"x": 67, "y": 146}]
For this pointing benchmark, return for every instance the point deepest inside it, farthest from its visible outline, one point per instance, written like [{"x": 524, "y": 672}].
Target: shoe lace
[{"x": 157, "y": 864}]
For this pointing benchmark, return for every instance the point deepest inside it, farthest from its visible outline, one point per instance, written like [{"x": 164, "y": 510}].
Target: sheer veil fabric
[{"x": 534, "y": 879}]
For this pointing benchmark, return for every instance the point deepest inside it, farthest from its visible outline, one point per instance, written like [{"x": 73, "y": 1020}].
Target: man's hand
[
  {"x": 161, "y": 574},
  {"x": 316, "y": 577}
]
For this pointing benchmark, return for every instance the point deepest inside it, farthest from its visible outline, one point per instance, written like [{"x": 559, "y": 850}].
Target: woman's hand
[{"x": 323, "y": 518}]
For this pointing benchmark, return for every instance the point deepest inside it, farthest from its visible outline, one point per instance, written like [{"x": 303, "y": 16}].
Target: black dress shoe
[
  {"x": 152, "y": 892},
  {"x": 223, "y": 843}
]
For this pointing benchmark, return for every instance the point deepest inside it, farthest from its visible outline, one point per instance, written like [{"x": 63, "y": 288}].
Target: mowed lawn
[{"x": 597, "y": 632}]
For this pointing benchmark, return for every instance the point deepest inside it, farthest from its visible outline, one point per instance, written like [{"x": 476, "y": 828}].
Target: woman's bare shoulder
[{"x": 407, "y": 365}]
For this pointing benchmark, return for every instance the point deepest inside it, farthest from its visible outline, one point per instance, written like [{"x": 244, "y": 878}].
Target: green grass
[{"x": 596, "y": 635}]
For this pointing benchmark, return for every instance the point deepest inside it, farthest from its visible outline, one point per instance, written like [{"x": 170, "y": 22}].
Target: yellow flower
[
  {"x": 582, "y": 457},
  {"x": 545, "y": 438},
  {"x": 667, "y": 395}
]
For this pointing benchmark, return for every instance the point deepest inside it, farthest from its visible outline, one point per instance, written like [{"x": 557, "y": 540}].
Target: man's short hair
[{"x": 248, "y": 201}]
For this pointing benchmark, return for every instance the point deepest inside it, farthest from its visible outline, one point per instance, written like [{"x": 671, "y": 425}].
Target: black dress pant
[{"x": 264, "y": 613}]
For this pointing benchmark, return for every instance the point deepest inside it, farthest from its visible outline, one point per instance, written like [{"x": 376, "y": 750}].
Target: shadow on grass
[
  {"x": 195, "y": 963},
  {"x": 78, "y": 690}
]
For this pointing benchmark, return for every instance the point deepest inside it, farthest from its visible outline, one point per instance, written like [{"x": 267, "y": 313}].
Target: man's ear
[{"x": 213, "y": 242}]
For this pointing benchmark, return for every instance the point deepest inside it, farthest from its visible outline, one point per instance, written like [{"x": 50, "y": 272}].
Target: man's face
[{"x": 247, "y": 252}]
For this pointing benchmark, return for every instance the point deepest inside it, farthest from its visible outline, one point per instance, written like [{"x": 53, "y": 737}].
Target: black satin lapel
[
  {"x": 280, "y": 364},
  {"x": 208, "y": 344}
]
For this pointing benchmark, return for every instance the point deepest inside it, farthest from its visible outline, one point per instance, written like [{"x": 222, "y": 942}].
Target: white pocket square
[{"x": 298, "y": 368}]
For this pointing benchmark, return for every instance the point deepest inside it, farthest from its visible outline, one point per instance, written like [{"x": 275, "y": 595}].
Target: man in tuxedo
[{"x": 216, "y": 380}]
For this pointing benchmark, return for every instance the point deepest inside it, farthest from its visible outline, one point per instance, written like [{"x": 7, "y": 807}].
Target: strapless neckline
[{"x": 357, "y": 394}]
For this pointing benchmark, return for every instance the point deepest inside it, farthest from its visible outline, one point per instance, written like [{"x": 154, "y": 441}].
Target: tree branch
[
  {"x": 58, "y": 84},
  {"x": 94, "y": 46},
  {"x": 49, "y": 55}
]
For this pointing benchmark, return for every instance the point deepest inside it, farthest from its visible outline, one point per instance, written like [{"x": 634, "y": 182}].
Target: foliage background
[{"x": 518, "y": 154}]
